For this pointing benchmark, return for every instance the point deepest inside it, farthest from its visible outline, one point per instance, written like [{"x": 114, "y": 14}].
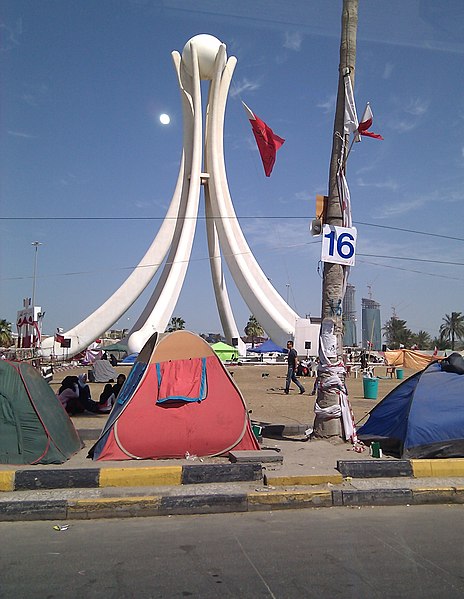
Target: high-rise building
[
  {"x": 350, "y": 337},
  {"x": 371, "y": 324}
]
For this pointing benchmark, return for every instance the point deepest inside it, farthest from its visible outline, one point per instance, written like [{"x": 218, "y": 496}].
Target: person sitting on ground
[
  {"x": 109, "y": 394},
  {"x": 85, "y": 398},
  {"x": 68, "y": 394},
  {"x": 119, "y": 384},
  {"x": 107, "y": 399}
]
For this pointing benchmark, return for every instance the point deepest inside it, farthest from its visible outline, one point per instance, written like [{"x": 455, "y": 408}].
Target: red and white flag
[
  {"x": 365, "y": 123},
  {"x": 267, "y": 141},
  {"x": 59, "y": 338}
]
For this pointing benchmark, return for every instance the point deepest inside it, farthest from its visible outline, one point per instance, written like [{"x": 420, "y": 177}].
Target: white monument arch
[{"x": 203, "y": 58}]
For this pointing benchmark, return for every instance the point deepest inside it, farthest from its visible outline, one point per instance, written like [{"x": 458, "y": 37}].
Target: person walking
[{"x": 292, "y": 364}]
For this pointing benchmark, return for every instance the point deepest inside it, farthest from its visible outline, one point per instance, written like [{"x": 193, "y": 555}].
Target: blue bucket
[
  {"x": 370, "y": 387},
  {"x": 399, "y": 373}
]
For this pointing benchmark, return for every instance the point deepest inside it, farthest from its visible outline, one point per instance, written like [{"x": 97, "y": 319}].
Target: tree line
[
  {"x": 396, "y": 333},
  {"x": 450, "y": 334}
]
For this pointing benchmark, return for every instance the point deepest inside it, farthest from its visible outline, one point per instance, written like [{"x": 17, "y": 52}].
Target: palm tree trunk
[{"x": 332, "y": 288}]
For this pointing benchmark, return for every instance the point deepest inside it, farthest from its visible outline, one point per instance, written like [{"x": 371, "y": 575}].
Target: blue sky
[{"x": 84, "y": 83}]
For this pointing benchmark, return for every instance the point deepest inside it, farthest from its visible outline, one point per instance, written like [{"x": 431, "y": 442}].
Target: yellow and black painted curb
[
  {"x": 437, "y": 468},
  {"x": 303, "y": 480},
  {"x": 160, "y": 505},
  {"x": 85, "y": 478},
  {"x": 151, "y": 476},
  {"x": 7, "y": 480}
]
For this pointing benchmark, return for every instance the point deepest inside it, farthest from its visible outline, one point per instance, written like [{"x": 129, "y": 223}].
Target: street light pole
[
  {"x": 34, "y": 279},
  {"x": 36, "y": 245}
]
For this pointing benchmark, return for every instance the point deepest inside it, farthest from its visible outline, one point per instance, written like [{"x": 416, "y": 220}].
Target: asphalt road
[{"x": 336, "y": 552}]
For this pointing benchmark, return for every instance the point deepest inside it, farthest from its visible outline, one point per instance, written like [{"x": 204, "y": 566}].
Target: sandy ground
[{"x": 262, "y": 387}]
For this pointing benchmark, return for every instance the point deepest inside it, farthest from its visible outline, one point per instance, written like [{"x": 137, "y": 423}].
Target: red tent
[{"x": 178, "y": 399}]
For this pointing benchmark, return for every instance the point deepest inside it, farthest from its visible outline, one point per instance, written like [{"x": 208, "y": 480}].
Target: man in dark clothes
[
  {"x": 292, "y": 362},
  {"x": 363, "y": 360}
]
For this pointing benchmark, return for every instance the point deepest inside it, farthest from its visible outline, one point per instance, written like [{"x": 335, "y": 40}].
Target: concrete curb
[
  {"x": 374, "y": 468},
  {"x": 154, "y": 476},
  {"x": 151, "y": 476},
  {"x": 282, "y": 430},
  {"x": 303, "y": 480},
  {"x": 159, "y": 505},
  {"x": 437, "y": 468}
]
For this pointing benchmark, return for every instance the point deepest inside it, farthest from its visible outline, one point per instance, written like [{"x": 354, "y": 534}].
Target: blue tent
[
  {"x": 421, "y": 418},
  {"x": 130, "y": 359},
  {"x": 267, "y": 347}
]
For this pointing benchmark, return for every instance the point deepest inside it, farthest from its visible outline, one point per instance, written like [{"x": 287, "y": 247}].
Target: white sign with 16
[{"x": 339, "y": 244}]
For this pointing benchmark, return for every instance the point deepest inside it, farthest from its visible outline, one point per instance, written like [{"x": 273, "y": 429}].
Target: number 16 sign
[{"x": 339, "y": 245}]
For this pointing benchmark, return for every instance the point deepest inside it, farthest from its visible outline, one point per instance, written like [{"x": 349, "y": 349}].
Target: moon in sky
[{"x": 165, "y": 119}]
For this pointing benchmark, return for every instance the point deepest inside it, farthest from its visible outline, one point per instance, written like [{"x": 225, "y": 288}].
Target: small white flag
[{"x": 350, "y": 124}]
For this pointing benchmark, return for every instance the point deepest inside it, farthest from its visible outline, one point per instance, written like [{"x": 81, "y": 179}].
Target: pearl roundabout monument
[{"x": 202, "y": 164}]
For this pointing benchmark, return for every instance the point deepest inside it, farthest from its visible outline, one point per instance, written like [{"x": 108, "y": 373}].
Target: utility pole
[
  {"x": 332, "y": 285},
  {"x": 36, "y": 245}
]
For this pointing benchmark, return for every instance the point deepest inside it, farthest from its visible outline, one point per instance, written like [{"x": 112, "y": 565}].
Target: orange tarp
[{"x": 408, "y": 358}]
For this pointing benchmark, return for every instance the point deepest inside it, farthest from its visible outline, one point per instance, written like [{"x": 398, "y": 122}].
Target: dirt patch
[{"x": 262, "y": 387}]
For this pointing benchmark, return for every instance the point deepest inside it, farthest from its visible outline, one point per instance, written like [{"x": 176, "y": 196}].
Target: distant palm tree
[
  {"x": 397, "y": 333},
  {"x": 175, "y": 324},
  {"x": 253, "y": 329},
  {"x": 6, "y": 338},
  {"x": 452, "y": 327},
  {"x": 439, "y": 343},
  {"x": 422, "y": 339}
]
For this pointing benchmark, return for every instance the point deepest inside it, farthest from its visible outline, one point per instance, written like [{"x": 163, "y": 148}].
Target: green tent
[
  {"x": 224, "y": 351},
  {"x": 34, "y": 427},
  {"x": 115, "y": 347}
]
